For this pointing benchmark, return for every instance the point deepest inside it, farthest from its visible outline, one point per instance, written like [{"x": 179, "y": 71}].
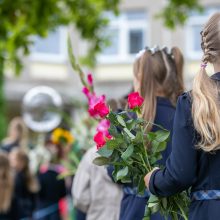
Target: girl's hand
[{"x": 148, "y": 176}]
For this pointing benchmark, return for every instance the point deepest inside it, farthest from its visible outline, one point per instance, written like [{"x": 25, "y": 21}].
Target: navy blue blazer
[
  {"x": 189, "y": 167},
  {"x": 132, "y": 206}
]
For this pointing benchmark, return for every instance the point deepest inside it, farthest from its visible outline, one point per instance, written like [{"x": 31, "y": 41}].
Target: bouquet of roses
[{"x": 124, "y": 142}]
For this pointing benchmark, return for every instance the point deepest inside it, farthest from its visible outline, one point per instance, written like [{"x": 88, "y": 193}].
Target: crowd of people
[
  {"x": 191, "y": 159},
  {"x": 23, "y": 194}
]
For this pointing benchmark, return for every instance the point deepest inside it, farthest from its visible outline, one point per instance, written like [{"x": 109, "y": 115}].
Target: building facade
[{"x": 134, "y": 28}]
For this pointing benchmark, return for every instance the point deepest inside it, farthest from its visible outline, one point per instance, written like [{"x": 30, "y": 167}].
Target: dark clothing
[
  {"x": 189, "y": 167},
  {"x": 8, "y": 147},
  {"x": 80, "y": 215},
  {"x": 12, "y": 213},
  {"x": 132, "y": 206},
  {"x": 26, "y": 199},
  {"x": 52, "y": 190}
]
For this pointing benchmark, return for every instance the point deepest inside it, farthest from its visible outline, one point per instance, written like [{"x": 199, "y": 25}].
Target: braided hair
[{"x": 205, "y": 103}]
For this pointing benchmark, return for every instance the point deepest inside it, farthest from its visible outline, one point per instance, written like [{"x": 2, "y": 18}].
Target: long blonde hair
[
  {"x": 6, "y": 183},
  {"x": 159, "y": 71},
  {"x": 205, "y": 93}
]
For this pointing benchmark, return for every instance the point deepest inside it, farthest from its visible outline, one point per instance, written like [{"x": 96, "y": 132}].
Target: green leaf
[
  {"x": 113, "y": 131},
  {"x": 122, "y": 173},
  {"x": 153, "y": 199},
  {"x": 100, "y": 161},
  {"x": 162, "y": 135},
  {"x": 141, "y": 186},
  {"x": 114, "y": 143},
  {"x": 129, "y": 151},
  {"x": 129, "y": 133},
  {"x": 164, "y": 203},
  {"x": 105, "y": 152},
  {"x": 151, "y": 136},
  {"x": 121, "y": 121},
  {"x": 131, "y": 124}
]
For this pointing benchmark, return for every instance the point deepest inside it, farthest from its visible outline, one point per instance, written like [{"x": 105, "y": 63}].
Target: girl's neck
[{"x": 216, "y": 67}]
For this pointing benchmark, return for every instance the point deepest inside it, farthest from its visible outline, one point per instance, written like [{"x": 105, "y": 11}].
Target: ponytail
[
  {"x": 205, "y": 97},
  {"x": 205, "y": 111},
  {"x": 179, "y": 62}
]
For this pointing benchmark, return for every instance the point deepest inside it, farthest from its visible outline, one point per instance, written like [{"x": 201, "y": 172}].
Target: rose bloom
[
  {"x": 135, "y": 100},
  {"x": 103, "y": 126},
  {"x": 99, "y": 138},
  {"x": 102, "y": 109}
]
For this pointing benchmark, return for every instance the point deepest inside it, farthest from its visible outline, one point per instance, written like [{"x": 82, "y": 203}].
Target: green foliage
[
  {"x": 176, "y": 12},
  {"x": 134, "y": 152}
]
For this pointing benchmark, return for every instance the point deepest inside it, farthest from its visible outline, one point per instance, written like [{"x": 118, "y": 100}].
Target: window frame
[
  {"x": 60, "y": 57},
  {"x": 124, "y": 25}
]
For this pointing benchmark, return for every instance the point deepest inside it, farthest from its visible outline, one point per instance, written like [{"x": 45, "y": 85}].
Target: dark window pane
[{"x": 136, "y": 39}]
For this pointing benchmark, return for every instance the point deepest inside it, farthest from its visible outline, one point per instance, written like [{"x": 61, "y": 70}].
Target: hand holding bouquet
[{"x": 124, "y": 141}]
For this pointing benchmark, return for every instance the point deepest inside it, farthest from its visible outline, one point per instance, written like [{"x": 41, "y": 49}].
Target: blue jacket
[
  {"x": 133, "y": 206},
  {"x": 189, "y": 167}
]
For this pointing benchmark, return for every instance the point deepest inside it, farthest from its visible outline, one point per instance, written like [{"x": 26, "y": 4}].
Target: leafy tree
[
  {"x": 176, "y": 12},
  {"x": 22, "y": 19}
]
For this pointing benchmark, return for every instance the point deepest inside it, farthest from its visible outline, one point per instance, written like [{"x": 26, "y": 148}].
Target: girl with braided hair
[
  {"x": 195, "y": 158},
  {"x": 158, "y": 78}
]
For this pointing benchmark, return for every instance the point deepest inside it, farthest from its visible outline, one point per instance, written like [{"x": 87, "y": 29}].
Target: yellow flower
[{"x": 59, "y": 135}]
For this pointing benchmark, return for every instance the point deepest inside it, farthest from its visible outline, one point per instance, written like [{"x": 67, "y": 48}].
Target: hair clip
[
  {"x": 140, "y": 53},
  {"x": 154, "y": 49},
  {"x": 203, "y": 65}
]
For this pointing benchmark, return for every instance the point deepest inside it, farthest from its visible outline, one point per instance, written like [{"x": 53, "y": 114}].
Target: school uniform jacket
[
  {"x": 188, "y": 166},
  {"x": 133, "y": 206}
]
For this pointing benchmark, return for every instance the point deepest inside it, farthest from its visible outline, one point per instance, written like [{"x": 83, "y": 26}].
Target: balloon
[{"x": 41, "y": 109}]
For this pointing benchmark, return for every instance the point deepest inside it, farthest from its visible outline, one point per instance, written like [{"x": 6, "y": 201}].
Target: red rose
[
  {"x": 90, "y": 79},
  {"x": 135, "y": 100},
  {"x": 102, "y": 109},
  {"x": 99, "y": 138}
]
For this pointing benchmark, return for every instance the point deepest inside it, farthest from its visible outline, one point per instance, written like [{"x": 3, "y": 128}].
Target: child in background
[
  {"x": 26, "y": 184},
  {"x": 52, "y": 189},
  {"x": 8, "y": 205}
]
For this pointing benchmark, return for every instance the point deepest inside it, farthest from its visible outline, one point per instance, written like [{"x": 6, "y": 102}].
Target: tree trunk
[{"x": 2, "y": 101}]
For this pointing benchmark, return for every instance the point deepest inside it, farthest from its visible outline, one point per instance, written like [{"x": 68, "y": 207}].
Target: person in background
[
  {"x": 52, "y": 189},
  {"x": 158, "y": 77},
  {"x": 17, "y": 135},
  {"x": 8, "y": 204},
  {"x": 95, "y": 196},
  {"x": 195, "y": 158},
  {"x": 26, "y": 184}
]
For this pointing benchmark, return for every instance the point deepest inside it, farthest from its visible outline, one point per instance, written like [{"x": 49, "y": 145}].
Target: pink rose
[
  {"x": 100, "y": 139},
  {"x": 135, "y": 100},
  {"x": 93, "y": 101},
  {"x": 103, "y": 126},
  {"x": 102, "y": 109},
  {"x": 90, "y": 79}
]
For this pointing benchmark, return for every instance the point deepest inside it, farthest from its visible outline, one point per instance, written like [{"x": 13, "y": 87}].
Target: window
[
  {"x": 52, "y": 48},
  {"x": 193, "y": 29},
  {"x": 126, "y": 35}
]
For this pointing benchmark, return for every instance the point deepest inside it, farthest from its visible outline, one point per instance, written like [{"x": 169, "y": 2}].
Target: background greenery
[{"x": 23, "y": 19}]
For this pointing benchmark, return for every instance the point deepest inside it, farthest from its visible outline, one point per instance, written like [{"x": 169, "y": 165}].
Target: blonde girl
[{"x": 195, "y": 158}]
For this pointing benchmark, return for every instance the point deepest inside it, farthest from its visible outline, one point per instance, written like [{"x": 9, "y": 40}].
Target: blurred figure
[
  {"x": 26, "y": 184},
  {"x": 158, "y": 77},
  {"x": 52, "y": 189},
  {"x": 8, "y": 205},
  {"x": 17, "y": 135},
  {"x": 95, "y": 196}
]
